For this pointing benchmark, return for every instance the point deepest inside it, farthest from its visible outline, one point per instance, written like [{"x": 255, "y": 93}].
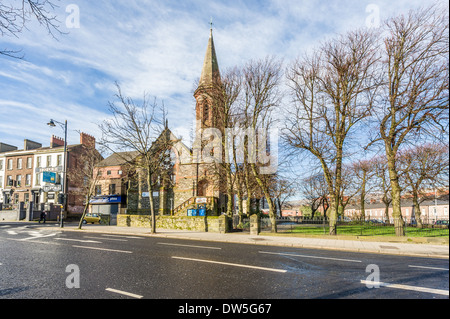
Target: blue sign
[
  {"x": 49, "y": 177},
  {"x": 107, "y": 199}
]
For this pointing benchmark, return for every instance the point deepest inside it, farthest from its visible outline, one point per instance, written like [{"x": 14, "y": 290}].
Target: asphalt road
[{"x": 51, "y": 264}]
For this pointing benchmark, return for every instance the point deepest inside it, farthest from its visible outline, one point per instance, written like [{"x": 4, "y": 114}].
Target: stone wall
[{"x": 195, "y": 223}]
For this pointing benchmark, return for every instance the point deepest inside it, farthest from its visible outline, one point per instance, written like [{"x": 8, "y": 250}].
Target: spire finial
[{"x": 211, "y": 24}]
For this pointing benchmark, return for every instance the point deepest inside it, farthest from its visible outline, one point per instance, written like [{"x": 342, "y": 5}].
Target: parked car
[
  {"x": 92, "y": 218},
  {"x": 442, "y": 222},
  {"x": 376, "y": 221}
]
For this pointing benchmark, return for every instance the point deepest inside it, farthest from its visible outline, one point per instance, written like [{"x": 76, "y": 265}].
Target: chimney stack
[
  {"x": 87, "y": 140},
  {"x": 56, "y": 141}
]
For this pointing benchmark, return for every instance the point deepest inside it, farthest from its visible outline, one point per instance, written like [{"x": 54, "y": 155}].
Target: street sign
[
  {"x": 201, "y": 200},
  {"x": 49, "y": 177}
]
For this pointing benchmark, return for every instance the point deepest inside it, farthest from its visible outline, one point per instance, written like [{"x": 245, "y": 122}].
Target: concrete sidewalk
[{"x": 363, "y": 246}]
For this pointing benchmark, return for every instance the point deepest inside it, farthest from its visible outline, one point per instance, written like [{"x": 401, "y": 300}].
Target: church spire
[{"x": 210, "y": 71}]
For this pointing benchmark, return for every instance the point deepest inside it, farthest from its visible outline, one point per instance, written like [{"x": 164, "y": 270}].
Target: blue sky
[{"x": 156, "y": 47}]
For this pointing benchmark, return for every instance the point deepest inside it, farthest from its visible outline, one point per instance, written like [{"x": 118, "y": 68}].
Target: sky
[{"x": 157, "y": 48}]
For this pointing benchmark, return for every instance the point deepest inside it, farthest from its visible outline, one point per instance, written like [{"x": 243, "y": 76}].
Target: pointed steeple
[{"x": 210, "y": 71}]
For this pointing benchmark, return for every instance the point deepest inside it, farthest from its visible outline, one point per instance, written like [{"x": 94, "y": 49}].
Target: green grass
[{"x": 368, "y": 230}]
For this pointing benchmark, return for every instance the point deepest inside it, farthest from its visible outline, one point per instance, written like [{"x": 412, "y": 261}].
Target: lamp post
[{"x": 64, "y": 180}]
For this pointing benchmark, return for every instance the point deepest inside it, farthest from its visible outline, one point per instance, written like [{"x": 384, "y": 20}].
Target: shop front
[{"x": 106, "y": 206}]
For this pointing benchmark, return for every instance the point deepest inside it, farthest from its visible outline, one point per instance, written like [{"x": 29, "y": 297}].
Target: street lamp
[{"x": 64, "y": 181}]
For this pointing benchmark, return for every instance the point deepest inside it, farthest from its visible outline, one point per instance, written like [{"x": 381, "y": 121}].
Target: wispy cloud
[{"x": 155, "y": 47}]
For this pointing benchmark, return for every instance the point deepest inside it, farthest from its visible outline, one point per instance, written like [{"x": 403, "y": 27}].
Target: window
[
  {"x": 19, "y": 163},
  {"x": 108, "y": 172},
  {"x": 1, "y": 181},
  {"x": 1, "y": 164},
  {"x": 9, "y": 180},
  {"x": 112, "y": 189},
  {"x": 26, "y": 198},
  {"x": 19, "y": 180},
  {"x": 16, "y": 198},
  {"x": 10, "y": 164},
  {"x": 29, "y": 162},
  {"x": 38, "y": 179},
  {"x": 49, "y": 160},
  {"x": 38, "y": 161},
  {"x": 28, "y": 180},
  {"x": 98, "y": 189},
  {"x": 59, "y": 160}
]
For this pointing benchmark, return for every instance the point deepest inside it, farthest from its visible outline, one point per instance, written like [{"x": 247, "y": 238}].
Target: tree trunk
[
  {"x": 84, "y": 214},
  {"x": 333, "y": 215},
  {"x": 417, "y": 211},
  {"x": 269, "y": 200},
  {"x": 363, "y": 202},
  {"x": 152, "y": 208},
  {"x": 395, "y": 194}
]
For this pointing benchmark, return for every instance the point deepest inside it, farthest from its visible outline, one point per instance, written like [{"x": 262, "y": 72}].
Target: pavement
[{"x": 391, "y": 246}]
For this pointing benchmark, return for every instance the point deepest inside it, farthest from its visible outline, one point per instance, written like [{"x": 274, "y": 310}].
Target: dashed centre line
[
  {"x": 307, "y": 256},
  {"x": 406, "y": 287},
  {"x": 129, "y": 294},
  {"x": 193, "y": 246},
  {"x": 231, "y": 264}
]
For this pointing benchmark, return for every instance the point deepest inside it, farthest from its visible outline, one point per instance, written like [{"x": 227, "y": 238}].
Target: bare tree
[
  {"x": 422, "y": 168},
  {"x": 15, "y": 17},
  {"x": 382, "y": 183},
  {"x": 363, "y": 171},
  {"x": 85, "y": 176},
  {"x": 142, "y": 129},
  {"x": 333, "y": 91},
  {"x": 261, "y": 96},
  {"x": 315, "y": 191},
  {"x": 415, "y": 93}
]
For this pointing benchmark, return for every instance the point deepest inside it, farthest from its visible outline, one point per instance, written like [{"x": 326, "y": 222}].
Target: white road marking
[
  {"x": 35, "y": 241},
  {"x": 406, "y": 287},
  {"x": 134, "y": 237},
  {"x": 80, "y": 240},
  {"x": 105, "y": 249},
  {"x": 116, "y": 239},
  {"x": 231, "y": 264},
  {"x": 11, "y": 232},
  {"x": 124, "y": 293},
  {"x": 193, "y": 246},
  {"x": 426, "y": 267},
  {"x": 38, "y": 236},
  {"x": 307, "y": 256}
]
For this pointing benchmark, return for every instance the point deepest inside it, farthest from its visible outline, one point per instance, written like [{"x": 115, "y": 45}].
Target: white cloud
[{"x": 155, "y": 47}]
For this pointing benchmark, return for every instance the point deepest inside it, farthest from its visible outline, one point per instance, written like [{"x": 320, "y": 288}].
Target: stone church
[{"x": 195, "y": 183}]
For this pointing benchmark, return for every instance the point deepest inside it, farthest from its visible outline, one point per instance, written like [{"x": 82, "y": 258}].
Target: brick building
[{"x": 35, "y": 175}]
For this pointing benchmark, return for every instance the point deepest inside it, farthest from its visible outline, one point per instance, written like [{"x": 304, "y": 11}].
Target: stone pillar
[
  {"x": 224, "y": 225},
  {"x": 255, "y": 225}
]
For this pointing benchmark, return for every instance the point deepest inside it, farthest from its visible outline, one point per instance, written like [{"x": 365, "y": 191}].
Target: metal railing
[{"x": 320, "y": 226}]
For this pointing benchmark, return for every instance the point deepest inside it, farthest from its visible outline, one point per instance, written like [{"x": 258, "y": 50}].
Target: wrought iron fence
[{"x": 373, "y": 227}]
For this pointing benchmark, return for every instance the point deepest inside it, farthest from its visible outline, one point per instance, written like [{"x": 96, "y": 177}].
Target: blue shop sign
[{"x": 112, "y": 199}]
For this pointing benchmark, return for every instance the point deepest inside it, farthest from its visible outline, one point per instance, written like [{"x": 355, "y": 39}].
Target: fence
[{"x": 320, "y": 226}]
